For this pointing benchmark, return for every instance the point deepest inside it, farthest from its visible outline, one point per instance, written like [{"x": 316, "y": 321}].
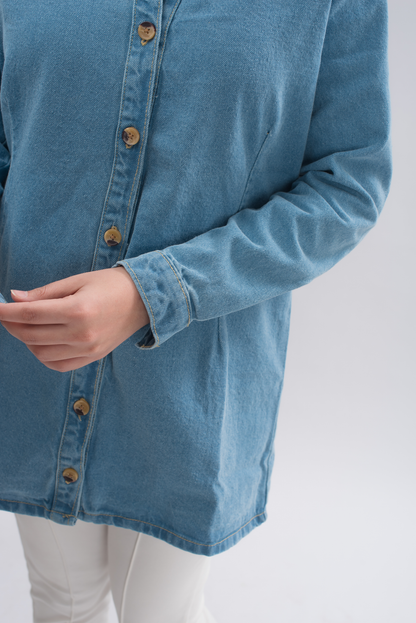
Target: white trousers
[{"x": 74, "y": 569}]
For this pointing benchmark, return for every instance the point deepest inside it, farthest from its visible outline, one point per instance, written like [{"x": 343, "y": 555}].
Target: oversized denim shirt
[{"x": 263, "y": 159}]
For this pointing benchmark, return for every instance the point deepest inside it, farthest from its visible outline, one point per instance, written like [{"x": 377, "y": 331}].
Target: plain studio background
[{"x": 340, "y": 544}]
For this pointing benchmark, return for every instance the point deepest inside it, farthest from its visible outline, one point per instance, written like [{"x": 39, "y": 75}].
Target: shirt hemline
[{"x": 138, "y": 525}]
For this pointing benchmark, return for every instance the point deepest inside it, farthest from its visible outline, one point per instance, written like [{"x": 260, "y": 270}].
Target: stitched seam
[
  {"x": 92, "y": 429},
  {"x": 150, "y": 307},
  {"x": 174, "y": 534},
  {"x": 183, "y": 291},
  {"x": 140, "y": 521},
  {"x": 252, "y": 170},
  {"x": 37, "y": 505},
  {"x": 143, "y": 137},
  {"x": 117, "y": 140},
  {"x": 62, "y": 443},
  {"x": 163, "y": 48},
  {"x": 50, "y": 524}
]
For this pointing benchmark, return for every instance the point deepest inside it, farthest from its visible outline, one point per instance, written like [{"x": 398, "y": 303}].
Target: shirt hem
[{"x": 158, "y": 532}]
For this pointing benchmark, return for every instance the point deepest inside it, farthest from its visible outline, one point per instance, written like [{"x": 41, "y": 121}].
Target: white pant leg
[
  {"x": 68, "y": 570},
  {"x": 154, "y": 582}
]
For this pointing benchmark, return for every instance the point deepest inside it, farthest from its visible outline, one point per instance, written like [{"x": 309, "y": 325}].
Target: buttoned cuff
[{"x": 163, "y": 294}]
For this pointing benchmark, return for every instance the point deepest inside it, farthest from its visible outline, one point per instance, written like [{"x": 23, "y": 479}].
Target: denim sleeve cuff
[{"x": 163, "y": 294}]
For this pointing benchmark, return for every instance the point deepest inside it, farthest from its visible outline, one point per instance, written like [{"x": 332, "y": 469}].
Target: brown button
[
  {"x": 146, "y": 32},
  {"x": 70, "y": 475},
  {"x": 81, "y": 407},
  {"x": 131, "y": 137},
  {"x": 112, "y": 236}
]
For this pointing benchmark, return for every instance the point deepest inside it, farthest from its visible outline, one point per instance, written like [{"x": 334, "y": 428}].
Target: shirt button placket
[
  {"x": 132, "y": 128},
  {"x": 118, "y": 210},
  {"x": 85, "y": 384}
]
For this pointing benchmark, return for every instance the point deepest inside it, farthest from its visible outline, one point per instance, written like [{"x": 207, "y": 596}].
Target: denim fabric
[{"x": 264, "y": 158}]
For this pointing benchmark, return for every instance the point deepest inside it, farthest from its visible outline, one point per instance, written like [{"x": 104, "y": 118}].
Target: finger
[
  {"x": 55, "y": 311},
  {"x": 19, "y": 295},
  {"x": 57, "y": 352},
  {"x": 69, "y": 364},
  {"x": 40, "y": 334},
  {"x": 55, "y": 290}
]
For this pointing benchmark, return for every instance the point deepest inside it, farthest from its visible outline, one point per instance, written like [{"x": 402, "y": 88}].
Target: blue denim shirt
[{"x": 263, "y": 159}]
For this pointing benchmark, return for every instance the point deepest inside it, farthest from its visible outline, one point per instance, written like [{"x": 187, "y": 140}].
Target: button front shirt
[{"x": 224, "y": 153}]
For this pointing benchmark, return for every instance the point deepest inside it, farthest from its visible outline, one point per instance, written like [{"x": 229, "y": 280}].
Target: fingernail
[{"x": 20, "y": 293}]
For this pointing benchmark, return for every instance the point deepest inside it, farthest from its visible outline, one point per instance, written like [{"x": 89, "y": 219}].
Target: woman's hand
[{"x": 70, "y": 323}]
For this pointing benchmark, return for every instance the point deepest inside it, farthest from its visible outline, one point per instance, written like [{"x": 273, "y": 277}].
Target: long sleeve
[{"x": 299, "y": 234}]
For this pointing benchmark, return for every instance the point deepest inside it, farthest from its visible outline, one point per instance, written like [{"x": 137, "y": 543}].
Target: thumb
[{"x": 54, "y": 290}]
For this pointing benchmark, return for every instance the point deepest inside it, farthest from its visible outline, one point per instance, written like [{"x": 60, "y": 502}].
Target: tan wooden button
[
  {"x": 112, "y": 236},
  {"x": 131, "y": 137},
  {"x": 70, "y": 475},
  {"x": 146, "y": 32},
  {"x": 81, "y": 407}
]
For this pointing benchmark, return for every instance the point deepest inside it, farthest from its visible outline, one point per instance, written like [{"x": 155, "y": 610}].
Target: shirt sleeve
[{"x": 300, "y": 234}]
